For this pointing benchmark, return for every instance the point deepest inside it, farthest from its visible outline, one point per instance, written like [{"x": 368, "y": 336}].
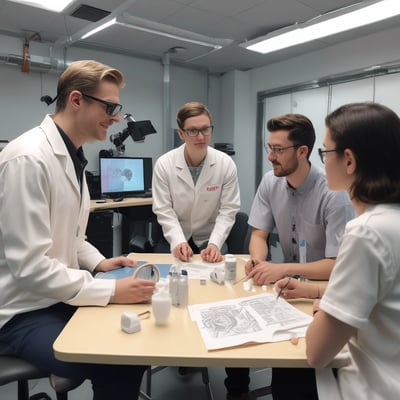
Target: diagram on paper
[
  {"x": 257, "y": 318},
  {"x": 229, "y": 320}
]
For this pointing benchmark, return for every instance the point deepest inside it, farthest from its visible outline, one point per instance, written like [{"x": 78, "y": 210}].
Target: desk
[
  {"x": 93, "y": 334},
  {"x": 127, "y": 202},
  {"x": 111, "y": 232}
]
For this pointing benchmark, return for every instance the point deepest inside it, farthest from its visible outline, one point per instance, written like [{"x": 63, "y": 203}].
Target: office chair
[
  {"x": 239, "y": 236},
  {"x": 14, "y": 369},
  {"x": 63, "y": 385}
]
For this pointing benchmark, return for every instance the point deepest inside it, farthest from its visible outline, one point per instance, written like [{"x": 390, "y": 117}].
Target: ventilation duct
[{"x": 37, "y": 63}]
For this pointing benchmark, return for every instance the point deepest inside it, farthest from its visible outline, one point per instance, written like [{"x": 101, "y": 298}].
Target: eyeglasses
[
  {"x": 322, "y": 153},
  {"x": 111, "y": 108},
  {"x": 206, "y": 131},
  {"x": 278, "y": 150}
]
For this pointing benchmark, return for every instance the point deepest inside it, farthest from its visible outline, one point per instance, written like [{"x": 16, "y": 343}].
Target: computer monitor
[{"x": 125, "y": 176}]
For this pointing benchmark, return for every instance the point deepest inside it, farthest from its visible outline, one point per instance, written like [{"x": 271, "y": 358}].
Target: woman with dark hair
[{"x": 361, "y": 306}]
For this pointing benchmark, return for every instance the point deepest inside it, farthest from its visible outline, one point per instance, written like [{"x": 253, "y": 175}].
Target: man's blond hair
[{"x": 85, "y": 76}]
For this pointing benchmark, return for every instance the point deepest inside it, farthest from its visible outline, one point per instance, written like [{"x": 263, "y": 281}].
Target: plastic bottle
[
  {"x": 173, "y": 284},
  {"x": 161, "y": 302},
  {"x": 183, "y": 289},
  {"x": 230, "y": 268}
]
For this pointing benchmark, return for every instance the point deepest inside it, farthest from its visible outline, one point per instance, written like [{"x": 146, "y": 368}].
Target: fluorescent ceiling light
[
  {"x": 99, "y": 28},
  {"x": 307, "y": 32},
  {"x": 51, "y": 5},
  {"x": 121, "y": 18},
  {"x": 170, "y": 35},
  {"x": 156, "y": 28}
]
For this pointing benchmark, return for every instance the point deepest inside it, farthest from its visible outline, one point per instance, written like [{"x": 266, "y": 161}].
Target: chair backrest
[{"x": 239, "y": 237}]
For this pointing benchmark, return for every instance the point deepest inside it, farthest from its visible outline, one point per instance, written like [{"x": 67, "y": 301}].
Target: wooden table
[{"x": 94, "y": 335}]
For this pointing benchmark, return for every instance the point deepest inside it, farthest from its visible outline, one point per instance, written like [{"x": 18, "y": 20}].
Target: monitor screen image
[{"x": 124, "y": 176}]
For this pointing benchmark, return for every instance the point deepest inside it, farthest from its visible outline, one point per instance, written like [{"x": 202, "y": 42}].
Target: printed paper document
[{"x": 255, "y": 319}]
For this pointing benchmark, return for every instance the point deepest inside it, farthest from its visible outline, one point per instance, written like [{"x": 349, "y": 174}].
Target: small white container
[
  {"x": 130, "y": 322},
  {"x": 230, "y": 268},
  {"x": 161, "y": 303}
]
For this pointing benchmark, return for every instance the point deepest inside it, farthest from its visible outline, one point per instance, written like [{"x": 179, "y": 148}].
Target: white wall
[
  {"x": 245, "y": 154},
  {"x": 375, "y": 49},
  {"x": 142, "y": 96},
  {"x": 232, "y": 98},
  {"x": 235, "y": 101}
]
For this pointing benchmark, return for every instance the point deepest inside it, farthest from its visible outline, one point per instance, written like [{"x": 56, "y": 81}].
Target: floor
[{"x": 167, "y": 384}]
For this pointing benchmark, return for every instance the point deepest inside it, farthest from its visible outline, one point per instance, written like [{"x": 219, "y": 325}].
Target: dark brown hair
[
  {"x": 300, "y": 128},
  {"x": 372, "y": 132}
]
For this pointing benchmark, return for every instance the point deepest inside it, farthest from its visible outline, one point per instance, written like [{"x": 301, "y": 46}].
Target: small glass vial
[
  {"x": 230, "y": 268},
  {"x": 183, "y": 289},
  {"x": 173, "y": 284}
]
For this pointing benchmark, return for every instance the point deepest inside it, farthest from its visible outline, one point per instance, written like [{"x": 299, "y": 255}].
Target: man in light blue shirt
[
  {"x": 310, "y": 219},
  {"x": 310, "y": 215}
]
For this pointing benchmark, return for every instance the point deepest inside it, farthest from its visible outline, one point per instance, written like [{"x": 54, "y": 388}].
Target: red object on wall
[{"x": 26, "y": 61}]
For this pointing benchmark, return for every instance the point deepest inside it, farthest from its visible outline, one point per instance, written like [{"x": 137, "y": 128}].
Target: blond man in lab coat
[
  {"x": 46, "y": 264},
  {"x": 195, "y": 190}
]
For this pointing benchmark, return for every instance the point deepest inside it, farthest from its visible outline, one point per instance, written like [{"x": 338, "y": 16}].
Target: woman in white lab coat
[{"x": 195, "y": 190}]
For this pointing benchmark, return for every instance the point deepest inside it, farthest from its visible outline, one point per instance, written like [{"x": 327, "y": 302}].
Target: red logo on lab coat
[{"x": 212, "y": 188}]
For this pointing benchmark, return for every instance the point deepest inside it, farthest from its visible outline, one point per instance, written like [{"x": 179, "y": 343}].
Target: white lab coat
[
  {"x": 43, "y": 219},
  {"x": 206, "y": 212}
]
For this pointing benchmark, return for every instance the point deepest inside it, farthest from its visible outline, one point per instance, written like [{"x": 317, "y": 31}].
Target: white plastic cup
[{"x": 161, "y": 307}]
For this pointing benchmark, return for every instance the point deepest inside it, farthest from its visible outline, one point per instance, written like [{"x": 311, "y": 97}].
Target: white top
[
  {"x": 205, "y": 211},
  {"x": 43, "y": 218},
  {"x": 364, "y": 292}
]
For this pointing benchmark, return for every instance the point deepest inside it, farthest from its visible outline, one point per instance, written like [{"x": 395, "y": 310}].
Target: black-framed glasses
[
  {"x": 279, "y": 150},
  {"x": 322, "y": 153},
  {"x": 111, "y": 108},
  {"x": 206, "y": 131}
]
